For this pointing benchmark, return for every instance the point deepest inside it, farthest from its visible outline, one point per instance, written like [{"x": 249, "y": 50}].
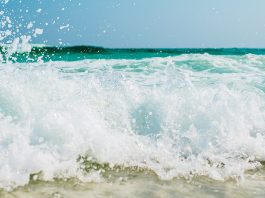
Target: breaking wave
[{"x": 185, "y": 115}]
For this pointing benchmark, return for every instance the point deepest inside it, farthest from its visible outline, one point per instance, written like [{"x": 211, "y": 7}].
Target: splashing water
[
  {"x": 89, "y": 112},
  {"x": 185, "y": 115}
]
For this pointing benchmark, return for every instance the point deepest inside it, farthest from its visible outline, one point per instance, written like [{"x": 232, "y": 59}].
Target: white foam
[{"x": 169, "y": 117}]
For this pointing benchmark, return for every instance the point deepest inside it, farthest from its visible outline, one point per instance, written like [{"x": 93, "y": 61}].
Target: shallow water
[{"x": 144, "y": 185}]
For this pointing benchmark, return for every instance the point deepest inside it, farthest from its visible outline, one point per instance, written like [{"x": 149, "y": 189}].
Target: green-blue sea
[{"x": 88, "y": 121}]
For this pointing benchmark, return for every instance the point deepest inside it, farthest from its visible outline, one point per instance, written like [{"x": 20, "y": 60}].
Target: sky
[{"x": 140, "y": 23}]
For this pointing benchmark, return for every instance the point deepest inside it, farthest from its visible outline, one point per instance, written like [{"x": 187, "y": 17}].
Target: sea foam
[{"x": 186, "y": 115}]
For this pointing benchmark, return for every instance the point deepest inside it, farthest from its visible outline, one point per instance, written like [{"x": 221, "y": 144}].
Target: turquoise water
[
  {"x": 174, "y": 119},
  {"x": 75, "y": 53}
]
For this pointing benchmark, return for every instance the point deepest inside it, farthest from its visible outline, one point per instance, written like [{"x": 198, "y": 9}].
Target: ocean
[{"x": 95, "y": 122}]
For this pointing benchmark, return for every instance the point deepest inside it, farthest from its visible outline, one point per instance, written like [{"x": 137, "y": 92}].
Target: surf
[{"x": 177, "y": 116}]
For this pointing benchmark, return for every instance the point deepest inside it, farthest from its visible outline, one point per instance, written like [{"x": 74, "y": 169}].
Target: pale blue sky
[{"x": 144, "y": 23}]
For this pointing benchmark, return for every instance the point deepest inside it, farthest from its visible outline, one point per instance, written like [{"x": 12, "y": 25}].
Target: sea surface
[{"x": 94, "y": 122}]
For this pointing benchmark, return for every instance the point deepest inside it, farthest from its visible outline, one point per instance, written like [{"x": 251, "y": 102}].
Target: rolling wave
[{"x": 185, "y": 115}]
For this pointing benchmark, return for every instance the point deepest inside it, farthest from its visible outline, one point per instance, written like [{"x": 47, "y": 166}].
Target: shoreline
[{"x": 142, "y": 185}]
